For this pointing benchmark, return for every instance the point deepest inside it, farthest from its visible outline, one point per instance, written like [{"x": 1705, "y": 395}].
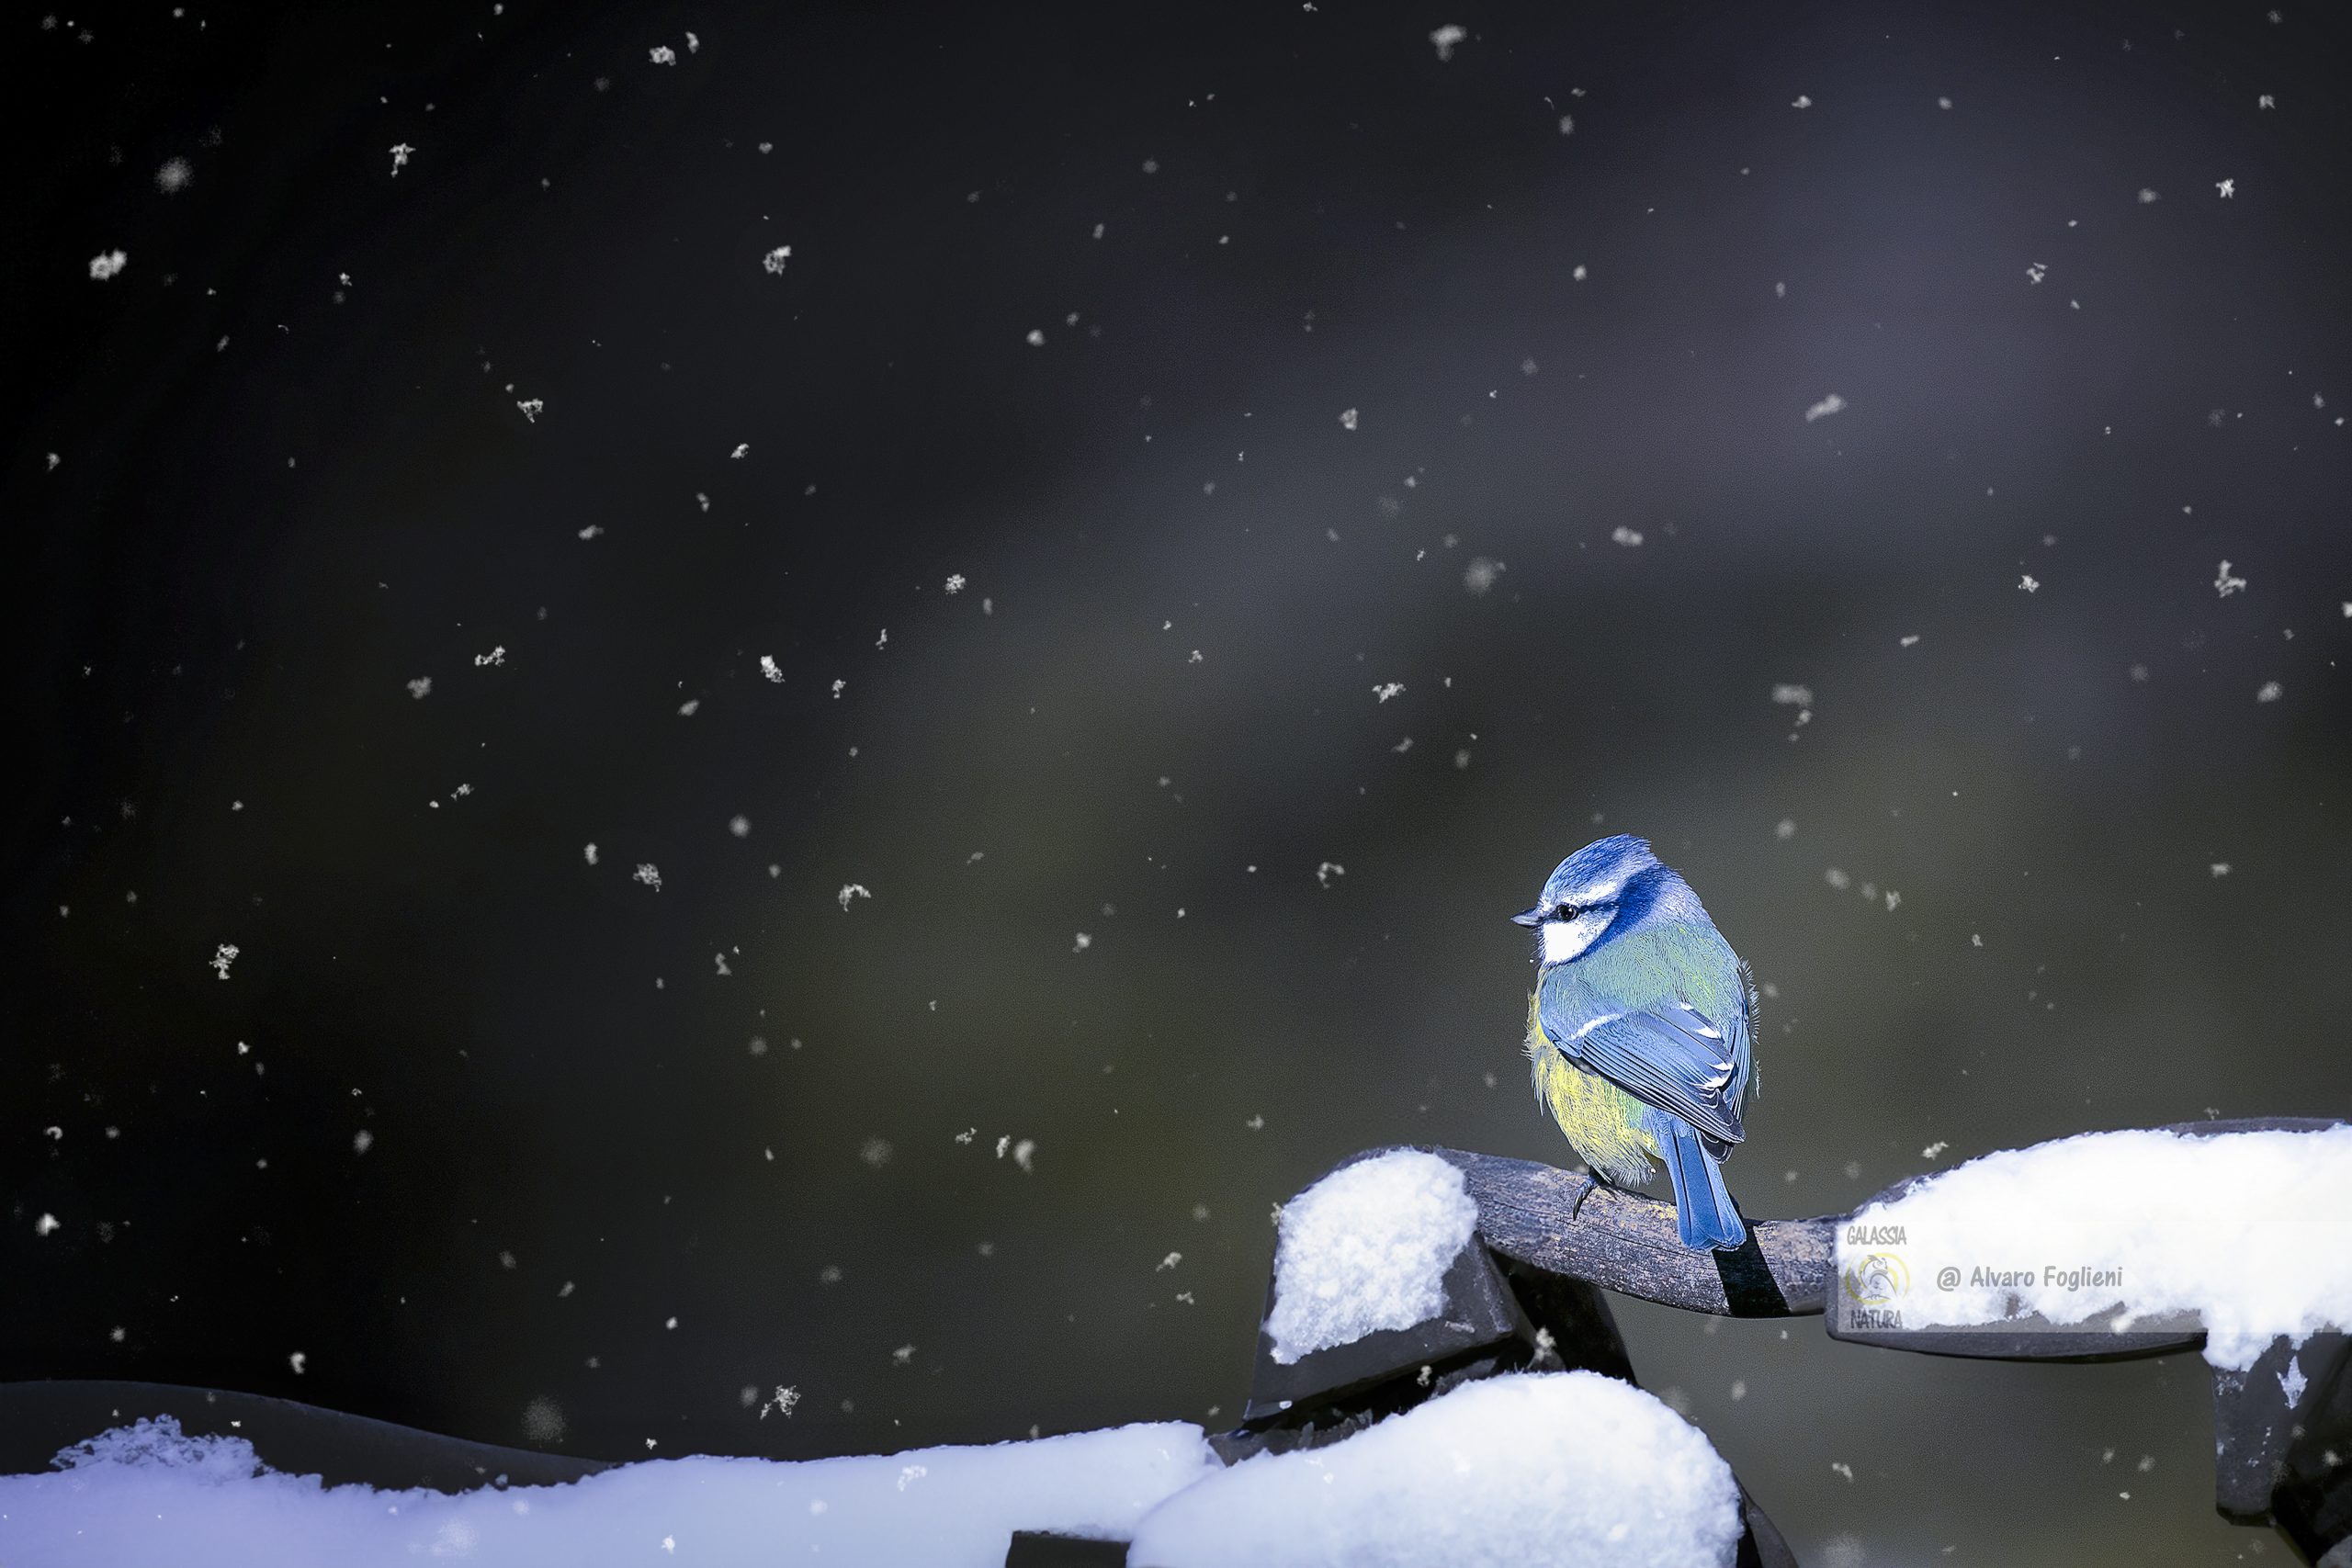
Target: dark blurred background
[{"x": 1071, "y": 894}]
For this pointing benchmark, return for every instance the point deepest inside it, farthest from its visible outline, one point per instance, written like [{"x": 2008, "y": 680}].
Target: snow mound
[
  {"x": 1561, "y": 1467},
  {"x": 159, "y": 1444},
  {"x": 2248, "y": 1231},
  {"x": 1366, "y": 1249},
  {"x": 147, "y": 1496}
]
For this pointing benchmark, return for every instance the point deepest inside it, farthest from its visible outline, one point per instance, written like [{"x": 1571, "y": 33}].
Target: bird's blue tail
[{"x": 1702, "y": 1207}]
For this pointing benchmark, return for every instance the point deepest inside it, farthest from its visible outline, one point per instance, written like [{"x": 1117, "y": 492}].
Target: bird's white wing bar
[{"x": 1660, "y": 1058}]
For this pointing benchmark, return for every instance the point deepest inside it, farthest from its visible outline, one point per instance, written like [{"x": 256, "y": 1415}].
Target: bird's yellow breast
[{"x": 1602, "y": 1121}]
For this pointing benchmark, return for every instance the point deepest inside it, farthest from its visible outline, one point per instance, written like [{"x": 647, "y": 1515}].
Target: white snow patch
[
  {"x": 147, "y": 1496},
  {"x": 1562, "y": 1467},
  {"x": 2226, "y": 1227},
  {"x": 1366, "y": 1249}
]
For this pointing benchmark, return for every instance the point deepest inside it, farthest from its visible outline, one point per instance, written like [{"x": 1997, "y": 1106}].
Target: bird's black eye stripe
[{"x": 1570, "y": 911}]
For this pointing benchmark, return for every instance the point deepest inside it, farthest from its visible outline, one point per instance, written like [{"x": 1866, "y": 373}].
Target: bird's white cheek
[{"x": 1565, "y": 940}]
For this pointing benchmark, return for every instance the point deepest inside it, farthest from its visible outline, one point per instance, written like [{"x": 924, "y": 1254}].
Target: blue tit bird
[{"x": 1639, "y": 1029}]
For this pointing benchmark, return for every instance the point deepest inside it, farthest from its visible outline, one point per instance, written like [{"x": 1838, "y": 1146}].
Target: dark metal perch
[{"x": 1527, "y": 1296}]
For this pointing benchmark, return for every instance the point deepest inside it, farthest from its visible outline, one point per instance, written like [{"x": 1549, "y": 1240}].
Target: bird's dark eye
[{"x": 1566, "y": 912}]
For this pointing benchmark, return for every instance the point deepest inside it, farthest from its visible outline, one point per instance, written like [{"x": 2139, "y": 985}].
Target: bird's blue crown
[{"x": 1617, "y": 859}]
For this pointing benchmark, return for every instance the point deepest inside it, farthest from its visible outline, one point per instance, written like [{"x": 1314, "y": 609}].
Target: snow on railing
[{"x": 2234, "y": 1238}]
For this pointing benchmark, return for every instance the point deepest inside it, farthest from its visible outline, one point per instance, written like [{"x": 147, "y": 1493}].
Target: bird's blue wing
[{"x": 1668, "y": 1055}]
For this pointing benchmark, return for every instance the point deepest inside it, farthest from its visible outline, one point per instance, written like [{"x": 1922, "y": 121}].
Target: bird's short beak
[{"x": 1528, "y": 918}]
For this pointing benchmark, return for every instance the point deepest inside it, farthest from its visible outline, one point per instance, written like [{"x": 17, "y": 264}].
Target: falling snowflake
[
  {"x": 2147, "y": 194},
  {"x": 1083, "y": 944},
  {"x": 955, "y": 582},
  {"x": 1393, "y": 689},
  {"x": 400, "y": 149},
  {"x": 2036, "y": 271},
  {"x": 48, "y": 1224},
  {"x": 773, "y": 261},
  {"x": 2220, "y": 868},
  {"x": 2270, "y": 692},
  {"x": 742, "y": 449},
  {"x": 1347, "y": 419},
  {"x": 1326, "y": 871},
  {"x": 1801, "y": 102},
  {"x": 421, "y": 688},
  {"x": 663, "y": 54},
  {"x": 2027, "y": 582},
  {"x": 1037, "y": 338},
  {"x": 2227, "y": 187},
  {"x": 2224, "y": 585},
  {"x": 649, "y": 873},
  {"x": 588, "y": 854},
  {"x": 298, "y": 1362},
  {"x": 173, "y": 175},
  {"x": 496, "y": 656},
  {"x": 532, "y": 408},
  {"x": 222, "y": 957},
  {"x": 1445, "y": 38},
  {"x": 1629, "y": 537},
  {"x": 106, "y": 264},
  {"x": 782, "y": 1403},
  {"x": 1825, "y": 407},
  {"x": 1480, "y": 574},
  {"x": 850, "y": 890},
  {"x": 768, "y": 669}
]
